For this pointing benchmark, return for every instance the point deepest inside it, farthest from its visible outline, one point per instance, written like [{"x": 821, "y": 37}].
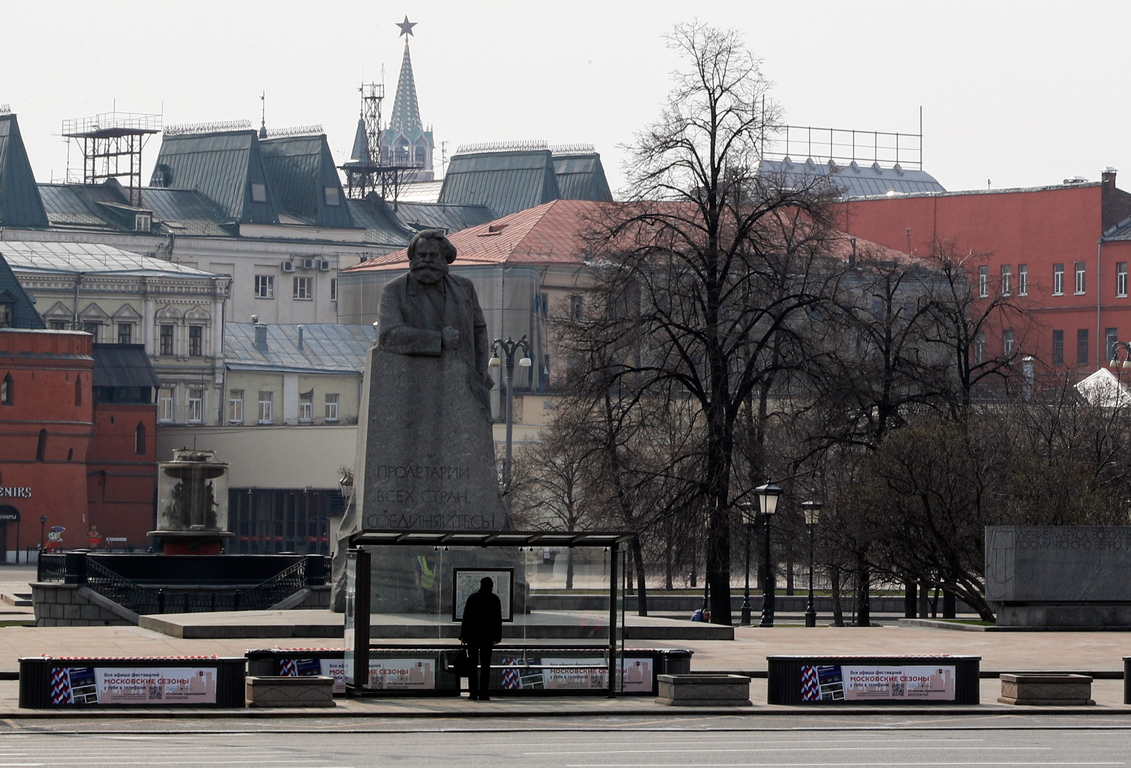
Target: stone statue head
[{"x": 429, "y": 255}]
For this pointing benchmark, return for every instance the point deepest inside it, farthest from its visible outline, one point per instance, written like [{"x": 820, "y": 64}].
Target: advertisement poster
[
  {"x": 133, "y": 685},
  {"x": 562, "y": 674},
  {"x": 465, "y": 581},
  {"x": 877, "y": 683},
  {"x": 384, "y": 673}
]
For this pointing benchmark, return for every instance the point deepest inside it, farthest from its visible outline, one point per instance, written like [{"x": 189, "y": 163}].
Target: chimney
[
  {"x": 1108, "y": 176},
  {"x": 261, "y": 336},
  {"x": 300, "y": 330}
]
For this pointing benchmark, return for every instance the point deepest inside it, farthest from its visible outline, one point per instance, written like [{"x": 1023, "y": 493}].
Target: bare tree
[{"x": 702, "y": 277}]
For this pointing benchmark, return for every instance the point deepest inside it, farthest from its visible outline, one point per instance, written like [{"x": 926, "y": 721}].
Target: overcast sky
[{"x": 1012, "y": 93}]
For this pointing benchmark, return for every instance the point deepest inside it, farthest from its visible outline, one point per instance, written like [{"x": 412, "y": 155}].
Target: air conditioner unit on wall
[
  {"x": 288, "y": 266},
  {"x": 308, "y": 263},
  {"x": 324, "y": 265}
]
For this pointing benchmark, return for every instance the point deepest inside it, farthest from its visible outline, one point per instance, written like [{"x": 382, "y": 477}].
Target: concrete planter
[
  {"x": 704, "y": 690},
  {"x": 1046, "y": 689},
  {"x": 280, "y": 691}
]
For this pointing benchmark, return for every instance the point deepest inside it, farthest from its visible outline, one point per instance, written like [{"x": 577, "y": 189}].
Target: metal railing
[{"x": 175, "y": 599}]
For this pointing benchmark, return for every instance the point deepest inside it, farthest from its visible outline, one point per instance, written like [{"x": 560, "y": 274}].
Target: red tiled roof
[
  {"x": 549, "y": 234},
  {"x": 546, "y": 234}
]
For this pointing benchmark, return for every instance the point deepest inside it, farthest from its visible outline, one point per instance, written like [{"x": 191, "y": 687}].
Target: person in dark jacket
[{"x": 481, "y": 629}]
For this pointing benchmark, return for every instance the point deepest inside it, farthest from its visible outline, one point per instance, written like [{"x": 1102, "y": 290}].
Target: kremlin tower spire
[{"x": 405, "y": 143}]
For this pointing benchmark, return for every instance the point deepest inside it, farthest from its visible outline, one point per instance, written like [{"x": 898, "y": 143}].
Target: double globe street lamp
[
  {"x": 508, "y": 348},
  {"x": 749, "y": 519}
]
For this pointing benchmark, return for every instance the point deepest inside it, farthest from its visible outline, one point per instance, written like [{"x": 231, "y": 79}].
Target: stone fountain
[{"x": 193, "y": 502}]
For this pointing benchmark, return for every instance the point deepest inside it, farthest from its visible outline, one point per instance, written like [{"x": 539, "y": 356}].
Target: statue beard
[{"x": 428, "y": 275}]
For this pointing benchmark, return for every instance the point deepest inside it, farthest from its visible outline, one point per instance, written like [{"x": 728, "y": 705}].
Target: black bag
[{"x": 460, "y": 662}]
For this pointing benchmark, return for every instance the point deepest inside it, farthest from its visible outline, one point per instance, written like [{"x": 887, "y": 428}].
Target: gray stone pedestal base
[
  {"x": 287, "y": 691},
  {"x": 704, "y": 690},
  {"x": 1046, "y": 689}
]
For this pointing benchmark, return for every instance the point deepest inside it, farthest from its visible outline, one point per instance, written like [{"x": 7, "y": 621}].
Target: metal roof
[
  {"x": 89, "y": 258},
  {"x": 853, "y": 180},
  {"x": 20, "y": 204},
  {"x": 305, "y": 181},
  {"x": 505, "y": 181},
  {"x": 224, "y": 166},
  {"x": 23, "y": 306},
  {"x": 491, "y": 538},
  {"x": 326, "y": 347},
  {"x": 381, "y": 226},
  {"x": 452, "y": 218},
  {"x": 582, "y": 177},
  {"x": 123, "y": 365}
]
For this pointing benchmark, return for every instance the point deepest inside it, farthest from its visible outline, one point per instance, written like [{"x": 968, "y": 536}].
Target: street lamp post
[
  {"x": 508, "y": 349},
  {"x": 812, "y": 517},
  {"x": 42, "y": 523},
  {"x": 749, "y": 518},
  {"x": 768, "y": 500}
]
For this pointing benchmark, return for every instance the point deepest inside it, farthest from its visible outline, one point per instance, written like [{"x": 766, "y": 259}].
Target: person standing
[{"x": 481, "y": 630}]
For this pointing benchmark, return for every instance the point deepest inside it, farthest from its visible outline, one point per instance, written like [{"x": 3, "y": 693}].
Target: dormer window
[
  {"x": 143, "y": 222},
  {"x": 258, "y": 192},
  {"x": 7, "y": 314},
  {"x": 331, "y": 196}
]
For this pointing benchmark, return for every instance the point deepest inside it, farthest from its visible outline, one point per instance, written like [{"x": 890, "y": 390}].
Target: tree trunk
[
  {"x": 863, "y": 608},
  {"x": 838, "y": 599}
]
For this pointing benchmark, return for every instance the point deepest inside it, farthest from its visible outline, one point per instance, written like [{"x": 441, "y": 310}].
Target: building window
[
  {"x": 125, "y": 333},
  {"x": 1121, "y": 278},
  {"x": 165, "y": 410},
  {"x": 1111, "y": 336},
  {"x": 303, "y": 288},
  {"x": 1082, "y": 346},
  {"x": 235, "y": 406},
  {"x": 139, "y": 439},
  {"x": 195, "y": 406},
  {"x": 1007, "y": 343},
  {"x": 57, "y": 325},
  {"x": 979, "y": 348},
  {"x": 306, "y": 407},
  {"x": 333, "y": 289},
  {"x": 1022, "y": 279},
  {"x": 1058, "y": 347},
  {"x": 78, "y": 392},
  {"x": 41, "y": 446},
  {"x": 196, "y": 340},
  {"x": 1006, "y": 279},
  {"x": 258, "y": 192},
  {"x": 983, "y": 281},
  {"x": 7, "y": 390},
  {"x": 95, "y": 330},
  {"x": 266, "y": 411},
  {"x": 6, "y": 315},
  {"x": 1080, "y": 286},
  {"x": 264, "y": 286},
  {"x": 331, "y": 407},
  {"x": 331, "y": 196},
  {"x": 575, "y": 308},
  {"x": 1057, "y": 279},
  {"x": 166, "y": 336}
]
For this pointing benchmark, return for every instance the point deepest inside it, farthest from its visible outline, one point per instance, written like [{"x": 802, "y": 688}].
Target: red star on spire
[{"x": 406, "y": 26}]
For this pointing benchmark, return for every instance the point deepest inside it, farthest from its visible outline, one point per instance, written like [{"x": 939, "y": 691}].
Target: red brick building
[
  {"x": 46, "y": 422},
  {"x": 1061, "y": 252}
]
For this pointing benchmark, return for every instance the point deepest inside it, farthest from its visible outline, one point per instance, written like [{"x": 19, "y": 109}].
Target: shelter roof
[
  {"x": 123, "y": 365},
  {"x": 325, "y": 348},
  {"x": 20, "y": 204},
  {"x": 491, "y": 539},
  {"x": 34, "y": 257},
  {"x": 853, "y": 180},
  {"x": 546, "y": 234}
]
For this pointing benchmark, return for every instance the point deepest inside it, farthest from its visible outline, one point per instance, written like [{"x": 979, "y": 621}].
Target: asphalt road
[{"x": 874, "y": 741}]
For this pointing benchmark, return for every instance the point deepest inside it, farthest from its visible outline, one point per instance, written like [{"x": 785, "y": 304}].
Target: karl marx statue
[{"x": 431, "y": 312}]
